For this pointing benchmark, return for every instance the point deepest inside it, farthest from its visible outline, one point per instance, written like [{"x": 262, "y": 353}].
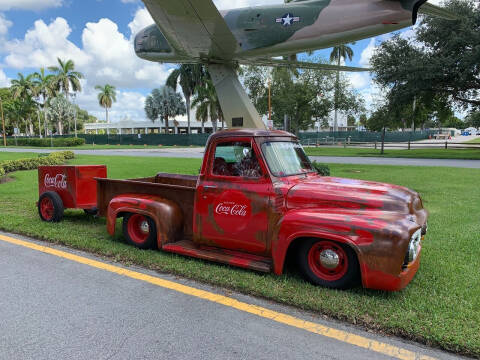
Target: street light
[
  {"x": 3, "y": 123},
  {"x": 74, "y": 95}
]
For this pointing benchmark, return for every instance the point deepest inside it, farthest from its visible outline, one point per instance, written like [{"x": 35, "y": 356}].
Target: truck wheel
[
  {"x": 140, "y": 231},
  {"x": 50, "y": 207},
  {"x": 328, "y": 263}
]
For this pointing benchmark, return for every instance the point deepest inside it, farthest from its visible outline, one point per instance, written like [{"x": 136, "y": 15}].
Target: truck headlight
[{"x": 413, "y": 247}]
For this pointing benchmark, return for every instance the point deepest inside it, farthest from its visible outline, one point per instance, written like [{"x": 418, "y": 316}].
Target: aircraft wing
[
  {"x": 433, "y": 10},
  {"x": 301, "y": 65},
  {"x": 194, "y": 28}
]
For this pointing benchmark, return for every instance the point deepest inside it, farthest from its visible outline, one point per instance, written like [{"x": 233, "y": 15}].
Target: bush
[
  {"x": 322, "y": 169},
  {"x": 47, "y": 142},
  {"x": 56, "y": 158}
]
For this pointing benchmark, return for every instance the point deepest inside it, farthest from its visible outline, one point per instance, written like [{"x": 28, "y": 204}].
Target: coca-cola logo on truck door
[
  {"x": 58, "y": 181},
  {"x": 232, "y": 211}
]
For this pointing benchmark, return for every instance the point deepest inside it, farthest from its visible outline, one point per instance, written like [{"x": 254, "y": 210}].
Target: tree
[
  {"x": 441, "y": 61},
  {"x": 106, "y": 97},
  {"x": 338, "y": 53},
  {"x": 65, "y": 77},
  {"x": 24, "y": 90},
  {"x": 207, "y": 103},
  {"x": 60, "y": 109},
  {"x": 44, "y": 89},
  {"x": 473, "y": 119},
  {"x": 189, "y": 76},
  {"x": 164, "y": 103}
]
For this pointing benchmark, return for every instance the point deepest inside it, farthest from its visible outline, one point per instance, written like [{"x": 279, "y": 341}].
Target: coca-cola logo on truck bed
[
  {"x": 231, "y": 208},
  {"x": 58, "y": 181}
]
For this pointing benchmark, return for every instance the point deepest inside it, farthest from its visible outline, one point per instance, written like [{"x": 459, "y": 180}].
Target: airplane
[{"x": 195, "y": 31}]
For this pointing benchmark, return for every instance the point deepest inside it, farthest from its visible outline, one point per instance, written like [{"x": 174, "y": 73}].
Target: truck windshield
[{"x": 286, "y": 158}]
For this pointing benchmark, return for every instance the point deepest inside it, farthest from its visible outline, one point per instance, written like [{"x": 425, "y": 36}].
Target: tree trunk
[
  {"x": 106, "y": 117},
  {"x": 203, "y": 127},
  {"x": 337, "y": 86},
  {"x": 167, "y": 130},
  {"x": 383, "y": 141},
  {"x": 187, "y": 100},
  {"x": 60, "y": 127},
  {"x": 214, "y": 124}
]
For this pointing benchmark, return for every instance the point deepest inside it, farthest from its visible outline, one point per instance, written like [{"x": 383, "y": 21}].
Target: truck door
[{"x": 233, "y": 198}]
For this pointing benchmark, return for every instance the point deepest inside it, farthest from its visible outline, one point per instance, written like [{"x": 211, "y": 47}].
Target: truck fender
[
  {"x": 295, "y": 226},
  {"x": 167, "y": 214}
]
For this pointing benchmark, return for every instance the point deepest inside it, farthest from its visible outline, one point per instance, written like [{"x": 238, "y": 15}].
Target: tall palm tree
[
  {"x": 339, "y": 52},
  {"x": 189, "y": 76},
  {"x": 23, "y": 89},
  {"x": 106, "y": 97},
  {"x": 65, "y": 77},
  {"x": 207, "y": 101},
  {"x": 44, "y": 89}
]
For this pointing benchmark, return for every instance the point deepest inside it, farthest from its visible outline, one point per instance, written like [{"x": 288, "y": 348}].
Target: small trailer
[
  {"x": 67, "y": 187},
  {"x": 256, "y": 201}
]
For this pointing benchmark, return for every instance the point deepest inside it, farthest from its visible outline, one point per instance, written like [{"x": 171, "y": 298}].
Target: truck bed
[{"x": 178, "y": 188}]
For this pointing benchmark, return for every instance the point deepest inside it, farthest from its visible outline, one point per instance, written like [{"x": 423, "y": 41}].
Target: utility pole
[{"x": 3, "y": 123}]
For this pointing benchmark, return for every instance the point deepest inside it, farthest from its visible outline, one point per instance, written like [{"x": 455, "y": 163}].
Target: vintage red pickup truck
[{"x": 258, "y": 200}]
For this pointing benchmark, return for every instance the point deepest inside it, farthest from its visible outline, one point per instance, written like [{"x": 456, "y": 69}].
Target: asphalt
[
  {"x": 54, "y": 308},
  {"x": 198, "y": 154}
]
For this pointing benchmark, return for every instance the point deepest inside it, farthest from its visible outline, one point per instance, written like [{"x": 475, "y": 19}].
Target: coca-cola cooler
[{"x": 72, "y": 187}]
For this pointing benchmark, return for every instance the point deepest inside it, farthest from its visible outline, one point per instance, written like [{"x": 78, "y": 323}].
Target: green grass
[
  {"x": 440, "y": 307},
  {"x": 472, "y": 154},
  {"x": 475, "y": 141},
  {"x": 15, "y": 156}
]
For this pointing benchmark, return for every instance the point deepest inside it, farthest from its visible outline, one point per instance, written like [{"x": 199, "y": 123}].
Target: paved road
[
  {"x": 198, "y": 153},
  {"x": 56, "y": 308}
]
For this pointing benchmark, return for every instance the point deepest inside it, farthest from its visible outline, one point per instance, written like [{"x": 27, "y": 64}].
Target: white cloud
[
  {"x": 29, "y": 4},
  {"x": 42, "y": 45},
  {"x": 4, "y": 80},
  {"x": 367, "y": 53},
  {"x": 4, "y": 25}
]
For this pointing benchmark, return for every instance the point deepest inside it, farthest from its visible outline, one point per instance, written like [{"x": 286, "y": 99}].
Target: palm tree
[
  {"x": 23, "y": 89},
  {"x": 66, "y": 78},
  {"x": 106, "y": 97},
  {"x": 189, "y": 76},
  {"x": 339, "y": 52},
  {"x": 207, "y": 101},
  {"x": 44, "y": 89},
  {"x": 164, "y": 103}
]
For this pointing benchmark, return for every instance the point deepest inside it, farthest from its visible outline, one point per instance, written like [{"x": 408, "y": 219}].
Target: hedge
[
  {"x": 322, "y": 169},
  {"x": 46, "y": 142},
  {"x": 56, "y": 158}
]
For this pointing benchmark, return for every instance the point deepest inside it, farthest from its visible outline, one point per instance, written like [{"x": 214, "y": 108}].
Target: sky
[{"x": 98, "y": 36}]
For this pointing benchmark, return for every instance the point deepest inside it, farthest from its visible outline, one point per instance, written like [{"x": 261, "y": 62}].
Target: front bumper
[{"x": 378, "y": 280}]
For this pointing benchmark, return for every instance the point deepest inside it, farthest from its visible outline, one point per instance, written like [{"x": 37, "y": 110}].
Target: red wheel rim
[
  {"x": 47, "y": 209},
  {"x": 338, "y": 257},
  {"x": 138, "y": 228}
]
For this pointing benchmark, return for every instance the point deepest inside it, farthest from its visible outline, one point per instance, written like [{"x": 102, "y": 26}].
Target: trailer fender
[{"x": 167, "y": 214}]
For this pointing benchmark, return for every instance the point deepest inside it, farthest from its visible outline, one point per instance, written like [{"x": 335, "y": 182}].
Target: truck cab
[{"x": 258, "y": 199}]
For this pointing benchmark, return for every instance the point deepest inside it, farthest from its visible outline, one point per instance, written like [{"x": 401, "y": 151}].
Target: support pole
[
  {"x": 237, "y": 108},
  {"x": 3, "y": 124}
]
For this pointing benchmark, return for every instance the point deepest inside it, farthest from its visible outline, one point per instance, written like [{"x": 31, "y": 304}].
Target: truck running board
[{"x": 235, "y": 258}]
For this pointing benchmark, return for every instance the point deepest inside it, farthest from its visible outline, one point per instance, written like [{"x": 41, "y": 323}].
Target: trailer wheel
[
  {"x": 140, "y": 231},
  {"x": 328, "y": 263},
  {"x": 50, "y": 207}
]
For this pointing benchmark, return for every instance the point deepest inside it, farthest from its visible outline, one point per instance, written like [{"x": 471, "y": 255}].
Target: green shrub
[
  {"x": 56, "y": 158},
  {"x": 46, "y": 142},
  {"x": 322, "y": 169}
]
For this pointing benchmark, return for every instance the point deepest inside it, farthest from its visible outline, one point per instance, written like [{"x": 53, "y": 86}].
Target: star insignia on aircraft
[{"x": 288, "y": 19}]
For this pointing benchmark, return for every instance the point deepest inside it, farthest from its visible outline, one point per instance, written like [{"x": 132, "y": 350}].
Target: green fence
[
  {"x": 201, "y": 139},
  {"x": 368, "y": 136}
]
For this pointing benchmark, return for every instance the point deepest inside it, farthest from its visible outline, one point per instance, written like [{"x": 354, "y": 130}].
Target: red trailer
[{"x": 67, "y": 187}]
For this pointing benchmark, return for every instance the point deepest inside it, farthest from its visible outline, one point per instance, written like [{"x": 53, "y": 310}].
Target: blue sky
[{"x": 97, "y": 35}]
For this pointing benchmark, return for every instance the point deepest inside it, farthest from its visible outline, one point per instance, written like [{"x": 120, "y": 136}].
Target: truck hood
[{"x": 349, "y": 194}]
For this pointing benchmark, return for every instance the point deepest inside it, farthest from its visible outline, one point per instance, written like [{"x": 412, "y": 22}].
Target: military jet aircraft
[{"x": 195, "y": 31}]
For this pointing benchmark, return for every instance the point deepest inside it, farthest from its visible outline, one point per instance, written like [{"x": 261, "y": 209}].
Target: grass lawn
[
  {"x": 15, "y": 156},
  {"x": 473, "y": 154},
  {"x": 441, "y": 306},
  {"x": 475, "y": 141}
]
